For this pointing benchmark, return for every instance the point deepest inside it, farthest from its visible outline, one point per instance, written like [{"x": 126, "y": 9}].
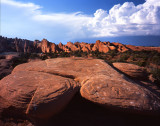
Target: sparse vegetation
[
  {"x": 156, "y": 74},
  {"x": 147, "y": 59}
]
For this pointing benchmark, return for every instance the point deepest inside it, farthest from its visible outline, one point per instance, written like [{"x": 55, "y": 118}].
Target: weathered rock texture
[
  {"x": 37, "y": 94},
  {"x": 41, "y": 89},
  {"x": 26, "y": 46},
  {"x": 132, "y": 70}
]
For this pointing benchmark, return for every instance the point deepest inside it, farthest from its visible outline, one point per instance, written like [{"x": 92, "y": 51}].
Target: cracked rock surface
[{"x": 42, "y": 89}]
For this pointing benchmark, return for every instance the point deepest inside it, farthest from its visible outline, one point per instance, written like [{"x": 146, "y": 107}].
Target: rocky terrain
[
  {"x": 44, "y": 46},
  {"x": 51, "y": 92},
  {"x": 108, "y": 82}
]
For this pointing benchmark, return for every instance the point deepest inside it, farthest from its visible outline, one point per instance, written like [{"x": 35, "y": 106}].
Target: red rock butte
[{"x": 44, "y": 46}]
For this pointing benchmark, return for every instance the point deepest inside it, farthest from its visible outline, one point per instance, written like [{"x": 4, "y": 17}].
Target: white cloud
[
  {"x": 30, "y": 6},
  {"x": 127, "y": 19},
  {"x": 28, "y": 19}
]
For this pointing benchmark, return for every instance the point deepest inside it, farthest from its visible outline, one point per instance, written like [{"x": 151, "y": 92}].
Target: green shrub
[
  {"x": 140, "y": 63},
  {"x": 156, "y": 60},
  {"x": 156, "y": 74},
  {"x": 112, "y": 53},
  {"x": 123, "y": 57},
  {"x": 64, "y": 54}
]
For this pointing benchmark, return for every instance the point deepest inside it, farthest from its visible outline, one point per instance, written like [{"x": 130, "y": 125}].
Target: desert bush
[
  {"x": 156, "y": 59},
  {"x": 123, "y": 57},
  {"x": 140, "y": 63},
  {"x": 44, "y": 57},
  {"x": 97, "y": 54},
  {"x": 85, "y": 54},
  {"x": 64, "y": 54},
  {"x": 22, "y": 59},
  {"x": 76, "y": 53},
  {"x": 156, "y": 74},
  {"x": 112, "y": 53},
  {"x": 33, "y": 56}
]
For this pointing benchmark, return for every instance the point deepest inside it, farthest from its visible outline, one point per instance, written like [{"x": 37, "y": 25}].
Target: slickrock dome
[{"x": 42, "y": 89}]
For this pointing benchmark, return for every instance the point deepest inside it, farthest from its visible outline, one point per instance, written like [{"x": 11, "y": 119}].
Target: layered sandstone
[
  {"x": 44, "y": 46},
  {"x": 132, "y": 70},
  {"x": 42, "y": 89}
]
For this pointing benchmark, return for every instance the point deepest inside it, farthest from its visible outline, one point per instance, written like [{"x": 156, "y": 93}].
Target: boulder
[
  {"x": 63, "y": 47},
  {"x": 101, "y": 46},
  {"x": 43, "y": 88},
  {"x": 132, "y": 70},
  {"x": 85, "y": 49},
  {"x": 37, "y": 94},
  {"x": 120, "y": 94},
  {"x": 94, "y": 72},
  {"x": 72, "y": 46},
  {"x": 120, "y": 47}
]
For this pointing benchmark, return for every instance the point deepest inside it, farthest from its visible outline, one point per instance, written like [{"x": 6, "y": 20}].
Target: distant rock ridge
[{"x": 44, "y": 46}]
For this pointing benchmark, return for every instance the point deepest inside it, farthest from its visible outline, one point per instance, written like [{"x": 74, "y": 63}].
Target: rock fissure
[
  {"x": 55, "y": 85},
  {"x": 57, "y": 74},
  {"x": 29, "y": 105}
]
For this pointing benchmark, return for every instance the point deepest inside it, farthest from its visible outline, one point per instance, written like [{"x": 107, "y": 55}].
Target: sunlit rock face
[
  {"x": 44, "y": 46},
  {"x": 44, "y": 88}
]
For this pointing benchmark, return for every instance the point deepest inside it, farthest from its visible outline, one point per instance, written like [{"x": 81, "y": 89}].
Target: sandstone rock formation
[
  {"x": 134, "y": 71},
  {"x": 140, "y": 48},
  {"x": 100, "y": 46},
  {"x": 120, "y": 47},
  {"x": 26, "y": 46},
  {"x": 72, "y": 46},
  {"x": 35, "y": 87},
  {"x": 37, "y": 94}
]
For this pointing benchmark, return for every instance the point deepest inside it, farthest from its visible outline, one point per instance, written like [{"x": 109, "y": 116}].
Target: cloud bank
[{"x": 27, "y": 20}]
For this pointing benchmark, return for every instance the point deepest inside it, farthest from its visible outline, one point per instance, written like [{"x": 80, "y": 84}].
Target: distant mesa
[{"x": 44, "y": 46}]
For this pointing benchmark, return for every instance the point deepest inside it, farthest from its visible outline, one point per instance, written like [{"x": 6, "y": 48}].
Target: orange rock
[
  {"x": 85, "y": 49},
  {"x": 100, "y": 83},
  {"x": 53, "y": 47},
  {"x": 120, "y": 47},
  {"x": 112, "y": 47},
  {"x": 140, "y": 48},
  {"x": 72, "y": 46},
  {"x": 119, "y": 93},
  {"x": 45, "y": 46},
  {"x": 100, "y": 46},
  {"x": 132, "y": 70},
  {"x": 37, "y": 94}
]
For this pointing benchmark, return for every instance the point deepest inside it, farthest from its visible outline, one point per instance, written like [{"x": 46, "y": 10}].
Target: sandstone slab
[
  {"x": 132, "y": 70},
  {"x": 99, "y": 83},
  {"x": 92, "y": 73},
  {"x": 37, "y": 94}
]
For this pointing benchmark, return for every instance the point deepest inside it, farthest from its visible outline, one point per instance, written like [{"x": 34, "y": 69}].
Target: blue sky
[
  {"x": 85, "y": 6},
  {"x": 134, "y": 22}
]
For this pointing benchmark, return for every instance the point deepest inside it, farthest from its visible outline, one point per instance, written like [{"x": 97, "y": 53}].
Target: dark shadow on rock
[
  {"x": 149, "y": 86},
  {"x": 81, "y": 112}
]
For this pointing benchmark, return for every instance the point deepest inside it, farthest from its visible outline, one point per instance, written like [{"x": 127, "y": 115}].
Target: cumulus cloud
[
  {"x": 127, "y": 19},
  {"x": 121, "y": 20}
]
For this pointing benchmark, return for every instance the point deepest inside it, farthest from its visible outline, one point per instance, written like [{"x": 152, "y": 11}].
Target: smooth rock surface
[
  {"x": 37, "y": 94},
  {"x": 132, "y": 70},
  {"x": 100, "y": 83}
]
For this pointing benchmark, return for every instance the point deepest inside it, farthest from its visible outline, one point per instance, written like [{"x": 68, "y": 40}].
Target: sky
[{"x": 135, "y": 22}]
